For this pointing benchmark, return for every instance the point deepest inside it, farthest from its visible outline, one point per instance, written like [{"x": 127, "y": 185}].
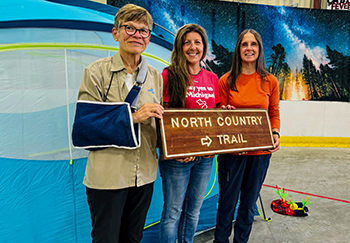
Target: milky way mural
[{"x": 308, "y": 50}]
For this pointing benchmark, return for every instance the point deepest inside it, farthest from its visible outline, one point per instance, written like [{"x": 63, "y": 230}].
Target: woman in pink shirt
[{"x": 186, "y": 85}]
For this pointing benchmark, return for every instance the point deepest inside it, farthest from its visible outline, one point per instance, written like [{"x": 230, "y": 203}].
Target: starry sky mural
[{"x": 304, "y": 34}]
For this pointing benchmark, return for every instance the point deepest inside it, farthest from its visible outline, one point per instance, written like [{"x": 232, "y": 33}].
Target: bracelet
[{"x": 277, "y": 133}]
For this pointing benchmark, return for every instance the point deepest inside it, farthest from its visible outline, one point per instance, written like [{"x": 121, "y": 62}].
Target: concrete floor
[{"x": 321, "y": 173}]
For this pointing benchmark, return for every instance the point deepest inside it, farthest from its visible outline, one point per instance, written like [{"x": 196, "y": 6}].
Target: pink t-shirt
[{"x": 202, "y": 95}]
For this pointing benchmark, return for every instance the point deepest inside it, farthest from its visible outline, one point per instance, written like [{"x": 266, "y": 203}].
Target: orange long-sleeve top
[{"x": 251, "y": 95}]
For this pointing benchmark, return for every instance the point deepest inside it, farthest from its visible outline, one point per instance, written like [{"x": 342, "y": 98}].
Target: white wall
[{"x": 315, "y": 118}]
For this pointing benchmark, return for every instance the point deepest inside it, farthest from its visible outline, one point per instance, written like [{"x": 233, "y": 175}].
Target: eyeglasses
[{"x": 131, "y": 30}]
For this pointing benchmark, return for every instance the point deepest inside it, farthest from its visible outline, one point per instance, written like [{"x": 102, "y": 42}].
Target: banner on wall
[
  {"x": 307, "y": 65},
  {"x": 338, "y": 4}
]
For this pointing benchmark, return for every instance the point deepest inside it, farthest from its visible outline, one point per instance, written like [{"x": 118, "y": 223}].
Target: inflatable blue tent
[{"x": 44, "y": 48}]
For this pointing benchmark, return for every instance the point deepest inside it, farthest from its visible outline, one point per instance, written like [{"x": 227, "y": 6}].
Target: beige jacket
[{"x": 114, "y": 168}]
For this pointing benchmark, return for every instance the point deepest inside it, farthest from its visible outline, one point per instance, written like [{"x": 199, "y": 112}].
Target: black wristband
[{"x": 277, "y": 133}]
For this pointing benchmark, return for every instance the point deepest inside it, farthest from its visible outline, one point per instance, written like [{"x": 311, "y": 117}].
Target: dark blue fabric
[
  {"x": 245, "y": 173},
  {"x": 133, "y": 93},
  {"x": 53, "y": 23},
  {"x": 103, "y": 125}
]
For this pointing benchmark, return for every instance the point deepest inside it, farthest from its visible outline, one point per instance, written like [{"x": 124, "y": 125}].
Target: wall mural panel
[{"x": 308, "y": 50}]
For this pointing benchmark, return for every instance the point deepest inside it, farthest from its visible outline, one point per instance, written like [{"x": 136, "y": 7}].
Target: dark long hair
[
  {"x": 178, "y": 75},
  {"x": 236, "y": 68}
]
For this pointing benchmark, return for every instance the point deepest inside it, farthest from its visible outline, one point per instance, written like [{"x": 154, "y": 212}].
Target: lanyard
[{"x": 133, "y": 94}]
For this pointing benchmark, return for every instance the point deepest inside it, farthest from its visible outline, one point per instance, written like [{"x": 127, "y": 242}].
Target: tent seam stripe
[
  {"x": 48, "y": 45},
  {"x": 70, "y": 147}
]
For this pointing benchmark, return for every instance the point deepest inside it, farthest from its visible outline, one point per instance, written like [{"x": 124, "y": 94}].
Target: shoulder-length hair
[
  {"x": 236, "y": 67},
  {"x": 178, "y": 75}
]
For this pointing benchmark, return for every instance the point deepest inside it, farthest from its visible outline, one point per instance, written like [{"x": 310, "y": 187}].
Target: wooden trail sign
[{"x": 199, "y": 132}]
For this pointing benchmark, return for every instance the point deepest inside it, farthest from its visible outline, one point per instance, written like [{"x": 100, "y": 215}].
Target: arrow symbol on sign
[{"x": 206, "y": 141}]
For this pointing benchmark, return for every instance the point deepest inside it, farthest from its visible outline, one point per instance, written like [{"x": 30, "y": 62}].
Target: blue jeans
[{"x": 184, "y": 186}]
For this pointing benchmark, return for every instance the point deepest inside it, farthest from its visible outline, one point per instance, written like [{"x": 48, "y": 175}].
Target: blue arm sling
[{"x": 99, "y": 125}]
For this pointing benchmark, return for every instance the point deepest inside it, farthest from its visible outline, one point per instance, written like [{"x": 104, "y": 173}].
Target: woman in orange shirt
[{"x": 247, "y": 85}]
